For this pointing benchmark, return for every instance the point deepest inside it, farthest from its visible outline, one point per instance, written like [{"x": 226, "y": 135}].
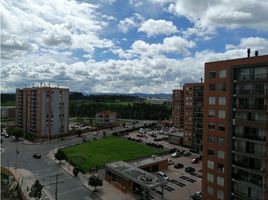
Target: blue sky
[{"x": 124, "y": 46}]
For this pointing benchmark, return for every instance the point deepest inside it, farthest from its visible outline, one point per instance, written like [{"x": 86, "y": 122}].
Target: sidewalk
[
  {"x": 105, "y": 192},
  {"x": 26, "y": 179}
]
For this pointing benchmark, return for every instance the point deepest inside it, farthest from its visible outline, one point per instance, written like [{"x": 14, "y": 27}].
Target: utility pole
[
  {"x": 17, "y": 153},
  {"x": 56, "y": 190}
]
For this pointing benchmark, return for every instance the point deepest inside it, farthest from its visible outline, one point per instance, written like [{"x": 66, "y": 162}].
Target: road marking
[{"x": 75, "y": 189}]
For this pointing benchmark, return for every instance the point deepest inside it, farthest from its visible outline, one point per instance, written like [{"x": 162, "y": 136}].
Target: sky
[{"x": 124, "y": 46}]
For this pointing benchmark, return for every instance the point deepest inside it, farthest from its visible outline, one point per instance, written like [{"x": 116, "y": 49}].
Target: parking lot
[{"x": 181, "y": 185}]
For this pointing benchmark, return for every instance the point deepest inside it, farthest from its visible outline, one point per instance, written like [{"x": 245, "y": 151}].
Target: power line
[{"x": 56, "y": 190}]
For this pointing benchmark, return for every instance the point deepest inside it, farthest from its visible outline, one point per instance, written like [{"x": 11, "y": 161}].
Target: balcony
[
  {"x": 243, "y": 151},
  {"x": 242, "y": 196},
  {"x": 244, "y": 165},
  {"x": 254, "y": 137},
  {"x": 248, "y": 180},
  {"x": 252, "y": 107},
  {"x": 252, "y": 92}
]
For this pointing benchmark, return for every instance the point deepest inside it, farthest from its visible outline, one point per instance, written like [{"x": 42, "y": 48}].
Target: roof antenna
[{"x": 248, "y": 52}]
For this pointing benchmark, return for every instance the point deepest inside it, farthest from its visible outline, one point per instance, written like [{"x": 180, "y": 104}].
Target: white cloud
[
  {"x": 54, "y": 25},
  {"x": 156, "y": 27},
  {"x": 208, "y": 15},
  {"x": 174, "y": 44},
  {"x": 131, "y": 22}
]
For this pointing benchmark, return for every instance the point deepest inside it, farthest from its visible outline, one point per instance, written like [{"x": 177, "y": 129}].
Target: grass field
[{"x": 98, "y": 153}]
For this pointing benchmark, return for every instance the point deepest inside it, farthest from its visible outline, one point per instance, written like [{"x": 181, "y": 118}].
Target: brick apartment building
[
  {"x": 235, "y": 126},
  {"x": 177, "y": 108},
  {"x": 43, "y": 111},
  {"x": 187, "y": 113}
]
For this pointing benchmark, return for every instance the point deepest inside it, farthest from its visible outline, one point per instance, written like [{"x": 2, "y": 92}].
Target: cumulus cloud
[
  {"x": 54, "y": 25},
  {"x": 174, "y": 44},
  {"x": 208, "y": 15},
  {"x": 130, "y": 22},
  {"x": 156, "y": 27}
]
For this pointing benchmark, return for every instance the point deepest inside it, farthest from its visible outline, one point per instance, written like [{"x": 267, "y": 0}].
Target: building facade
[
  {"x": 43, "y": 111},
  {"x": 193, "y": 115},
  {"x": 178, "y": 108},
  {"x": 106, "y": 119},
  {"x": 235, "y": 126}
]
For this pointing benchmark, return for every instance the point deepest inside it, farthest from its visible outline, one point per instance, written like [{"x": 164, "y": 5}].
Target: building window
[
  {"x": 221, "y": 140},
  {"x": 221, "y": 127},
  {"x": 212, "y": 74},
  {"x": 221, "y": 167},
  {"x": 222, "y": 101},
  {"x": 211, "y": 113},
  {"x": 211, "y": 126},
  {"x": 210, "y": 164},
  {"x": 212, "y": 87},
  {"x": 220, "y": 181},
  {"x": 222, "y": 87},
  {"x": 211, "y": 139},
  {"x": 221, "y": 154},
  {"x": 210, "y": 177},
  {"x": 220, "y": 195},
  {"x": 221, "y": 114},
  {"x": 210, "y": 152},
  {"x": 210, "y": 190},
  {"x": 222, "y": 74},
  {"x": 211, "y": 100}
]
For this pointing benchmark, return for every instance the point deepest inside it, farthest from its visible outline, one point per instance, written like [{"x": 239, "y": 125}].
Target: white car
[
  {"x": 162, "y": 174},
  {"x": 175, "y": 155}
]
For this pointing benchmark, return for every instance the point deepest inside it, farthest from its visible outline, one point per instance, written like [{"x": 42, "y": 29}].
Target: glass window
[
  {"x": 210, "y": 164},
  {"x": 210, "y": 177},
  {"x": 211, "y": 139},
  {"x": 211, "y": 126},
  {"x": 210, "y": 152},
  {"x": 211, "y": 113},
  {"x": 212, "y": 74},
  {"x": 221, "y": 127},
  {"x": 210, "y": 190},
  {"x": 221, "y": 140},
  {"x": 212, "y": 87},
  {"x": 222, "y": 74},
  {"x": 220, "y": 195},
  {"x": 221, "y": 154},
  {"x": 222, "y": 101},
  {"x": 212, "y": 100},
  {"x": 220, "y": 181},
  {"x": 220, "y": 167},
  {"x": 222, "y": 87},
  {"x": 221, "y": 114}
]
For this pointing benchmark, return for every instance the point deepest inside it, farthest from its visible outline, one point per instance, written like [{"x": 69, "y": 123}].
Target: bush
[{"x": 75, "y": 171}]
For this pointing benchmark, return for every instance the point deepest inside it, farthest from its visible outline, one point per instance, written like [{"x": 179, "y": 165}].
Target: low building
[
  {"x": 130, "y": 178},
  {"x": 175, "y": 138},
  {"x": 106, "y": 119},
  {"x": 152, "y": 164},
  {"x": 8, "y": 112}
]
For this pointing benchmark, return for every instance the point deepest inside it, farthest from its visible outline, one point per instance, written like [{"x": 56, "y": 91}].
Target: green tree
[
  {"x": 95, "y": 181},
  {"x": 36, "y": 190},
  {"x": 17, "y": 132},
  {"x": 60, "y": 155},
  {"x": 75, "y": 171}
]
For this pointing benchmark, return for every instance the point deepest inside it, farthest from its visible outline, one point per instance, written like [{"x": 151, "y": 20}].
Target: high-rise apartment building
[
  {"x": 193, "y": 115},
  {"x": 235, "y": 159},
  {"x": 178, "y": 108},
  {"x": 43, "y": 111}
]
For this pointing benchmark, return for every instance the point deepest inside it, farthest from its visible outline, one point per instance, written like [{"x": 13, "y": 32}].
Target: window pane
[{"x": 222, "y": 74}]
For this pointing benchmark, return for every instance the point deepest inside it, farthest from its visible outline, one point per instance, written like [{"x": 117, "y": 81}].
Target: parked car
[
  {"x": 187, "y": 153},
  {"x": 199, "y": 157},
  {"x": 173, "y": 150},
  {"x": 197, "y": 196},
  {"x": 162, "y": 174},
  {"x": 37, "y": 156},
  {"x": 175, "y": 155},
  {"x": 195, "y": 160},
  {"x": 6, "y": 135},
  {"x": 189, "y": 170},
  {"x": 178, "y": 166}
]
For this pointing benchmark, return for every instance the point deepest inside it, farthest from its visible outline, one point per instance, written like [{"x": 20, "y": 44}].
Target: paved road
[{"x": 44, "y": 169}]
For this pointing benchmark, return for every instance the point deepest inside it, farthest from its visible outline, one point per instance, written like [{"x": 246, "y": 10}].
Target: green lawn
[{"x": 98, "y": 153}]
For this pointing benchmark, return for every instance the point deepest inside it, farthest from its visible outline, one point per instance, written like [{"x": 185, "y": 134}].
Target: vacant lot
[{"x": 98, "y": 153}]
